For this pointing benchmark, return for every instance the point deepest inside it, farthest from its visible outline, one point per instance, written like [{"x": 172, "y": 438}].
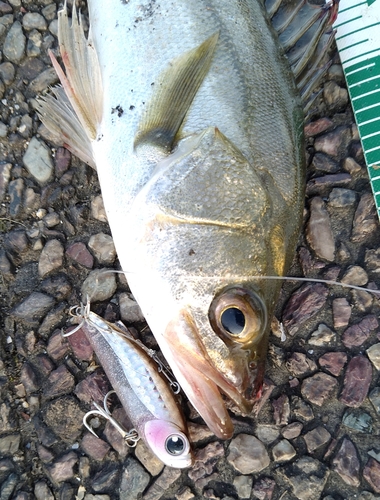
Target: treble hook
[{"x": 131, "y": 438}]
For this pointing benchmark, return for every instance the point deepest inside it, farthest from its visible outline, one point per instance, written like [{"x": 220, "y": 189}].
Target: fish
[
  {"x": 143, "y": 392},
  {"x": 191, "y": 115}
]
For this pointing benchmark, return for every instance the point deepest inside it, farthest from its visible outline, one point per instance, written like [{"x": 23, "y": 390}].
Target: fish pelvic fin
[
  {"x": 80, "y": 104},
  {"x": 175, "y": 91}
]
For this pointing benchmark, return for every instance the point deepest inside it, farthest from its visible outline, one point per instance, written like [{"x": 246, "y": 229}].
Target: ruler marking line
[
  {"x": 352, "y": 7},
  {"x": 373, "y": 149},
  {"x": 348, "y": 21},
  {"x": 364, "y": 81},
  {"x": 358, "y": 30},
  {"x": 369, "y": 121},
  {"x": 348, "y": 73},
  {"x": 365, "y": 94},
  {"x": 361, "y": 55},
  {"x": 354, "y": 45},
  {"x": 370, "y": 135}
]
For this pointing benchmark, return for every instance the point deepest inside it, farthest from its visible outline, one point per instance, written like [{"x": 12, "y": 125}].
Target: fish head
[
  {"x": 204, "y": 238},
  {"x": 168, "y": 443}
]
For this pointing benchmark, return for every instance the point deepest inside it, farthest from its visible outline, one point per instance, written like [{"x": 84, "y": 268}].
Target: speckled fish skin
[
  {"x": 144, "y": 394},
  {"x": 195, "y": 220}
]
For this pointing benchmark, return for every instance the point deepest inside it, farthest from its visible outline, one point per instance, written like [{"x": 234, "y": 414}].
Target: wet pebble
[
  {"x": 103, "y": 248},
  {"x": 41, "y": 82},
  {"x": 162, "y": 483},
  {"x": 357, "y": 380},
  {"x": 356, "y": 335},
  {"x": 14, "y": 44},
  {"x": 319, "y": 388},
  {"x": 325, "y": 164},
  {"x": 98, "y": 286},
  {"x": 301, "y": 409},
  {"x": 80, "y": 345},
  {"x": 333, "y": 143},
  {"x": 307, "y": 477},
  {"x": 365, "y": 219},
  {"x": 130, "y": 311},
  {"x": 94, "y": 447},
  {"x": 304, "y": 303},
  {"x": 341, "y": 312},
  {"x": 79, "y": 253},
  {"x": 316, "y": 438},
  {"x": 62, "y": 159},
  {"x": 33, "y": 308},
  {"x": 247, "y": 454},
  {"x": 60, "y": 382},
  {"x": 318, "y": 231},
  {"x": 57, "y": 286},
  {"x": 33, "y": 20},
  {"x": 134, "y": 480},
  {"x": 63, "y": 468},
  {"x": 333, "y": 362},
  {"x": 51, "y": 258},
  {"x": 7, "y": 72},
  {"x": 371, "y": 474},
  {"x": 283, "y": 451},
  {"x": 373, "y": 353},
  {"x": 322, "y": 336},
  {"x": 299, "y": 364},
  {"x": 346, "y": 463},
  {"x": 105, "y": 478},
  {"x": 340, "y": 198},
  {"x": 29, "y": 378},
  {"x": 38, "y": 161}
]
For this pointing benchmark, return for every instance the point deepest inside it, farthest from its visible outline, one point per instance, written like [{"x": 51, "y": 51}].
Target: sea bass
[
  {"x": 143, "y": 392},
  {"x": 191, "y": 116}
]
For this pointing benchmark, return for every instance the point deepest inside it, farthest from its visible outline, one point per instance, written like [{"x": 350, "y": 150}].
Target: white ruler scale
[{"x": 358, "y": 41}]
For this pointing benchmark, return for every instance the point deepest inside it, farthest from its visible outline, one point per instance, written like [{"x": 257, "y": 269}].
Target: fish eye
[
  {"x": 175, "y": 445},
  {"x": 238, "y": 315}
]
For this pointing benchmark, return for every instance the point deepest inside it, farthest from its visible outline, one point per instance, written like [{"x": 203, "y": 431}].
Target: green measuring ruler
[{"x": 358, "y": 41}]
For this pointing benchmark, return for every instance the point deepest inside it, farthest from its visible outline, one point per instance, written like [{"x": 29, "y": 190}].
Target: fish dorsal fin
[
  {"x": 175, "y": 92},
  {"x": 81, "y": 103}
]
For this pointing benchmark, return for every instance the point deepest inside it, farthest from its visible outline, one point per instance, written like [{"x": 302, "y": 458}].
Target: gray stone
[
  {"x": 322, "y": 336},
  {"x": 319, "y": 388},
  {"x": 340, "y": 198},
  {"x": 374, "y": 397},
  {"x": 63, "y": 468},
  {"x": 247, "y": 454},
  {"x": 42, "y": 491},
  {"x": 358, "y": 420},
  {"x": 145, "y": 455},
  {"x": 134, "y": 480},
  {"x": 7, "y": 72},
  {"x": 8, "y": 486},
  {"x": 103, "y": 248},
  {"x": 307, "y": 477},
  {"x": 97, "y": 209},
  {"x": 316, "y": 438},
  {"x": 243, "y": 485},
  {"x": 292, "y": 430},
  {"x": 43, "y": 81},
  {"x": 33, "y": 20},
  {"x": 130, "y": 311},
  {"x": 15, "y": 190},
  {"x": 341, "y": 312},
  {"x": 98, "y": 286},
  {"x": 357, "y": 380},
  {"x": 374, "y": 355},
  {"x": 355, "y": 275},
  {"x": 347, "y": 464},
  {"x": 32, "y": 309},
  {"x": 59, "y": 382},
  {"x": 10, "y": 444},
  {"x": 267, "y": 433},
  {"x": 365, "y": 219},
  {"x": 51, "y": 258},
  {"x": 14, "y": 44},
  {"x": 162, "y": 483},
  {"x": 318, "y": 231},
  {"x": 38, "y": 161},
  {"x": 335, "y": 97},
  {"x": 283, "y": 451}
]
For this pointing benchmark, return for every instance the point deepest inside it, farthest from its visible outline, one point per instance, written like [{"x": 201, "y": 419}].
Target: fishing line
[{"x": 278, "y": 278}]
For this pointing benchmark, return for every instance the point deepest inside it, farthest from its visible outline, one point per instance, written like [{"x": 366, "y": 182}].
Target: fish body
[
  {"x": 144, "y": 394},
  {"x": 199, "y": 151}
]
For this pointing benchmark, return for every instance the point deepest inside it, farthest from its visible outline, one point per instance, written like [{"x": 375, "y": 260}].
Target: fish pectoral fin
[
  {"x": 175, "y": 91},
  {"x": 59, "y": 117},
  {"x": 82, "y": 85}
]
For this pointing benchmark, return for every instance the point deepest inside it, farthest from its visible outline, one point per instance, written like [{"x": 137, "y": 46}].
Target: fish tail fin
[
  {"x": 77, "y": 107},
  {"x": 305, "y": 33}
]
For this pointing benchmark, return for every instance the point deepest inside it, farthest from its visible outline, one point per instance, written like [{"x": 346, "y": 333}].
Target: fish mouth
[{"x": 198, "y": 377}]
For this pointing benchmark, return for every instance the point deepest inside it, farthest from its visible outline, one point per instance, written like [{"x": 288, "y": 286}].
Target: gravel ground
[{"x": 316, "y": 431}]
